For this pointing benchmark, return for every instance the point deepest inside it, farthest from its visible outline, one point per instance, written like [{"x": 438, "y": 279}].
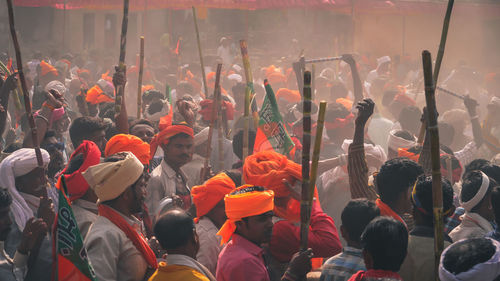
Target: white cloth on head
[
  {"x": 235, "y": 77},
  {"x": 19, "y": 163},
  {"x": 201, "y": 137},
  {"x": 374, "y": 150},
  {"x": 157, "y": 115},
  {"x": 469, "y": 205},
  {"x": 394, "y": 142},
  {"x": 485, "y": 271},
  {"x": 383, "y": 60},
  {"x": 56, "y": 85}
]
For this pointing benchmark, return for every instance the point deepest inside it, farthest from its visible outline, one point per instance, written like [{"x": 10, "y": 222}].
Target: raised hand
[
  {"x": 365, "y": 110},
  {"x": 34, "y": 231},
  {"x": 348, "y": 58},
  {"x": 300, "y": 264}
]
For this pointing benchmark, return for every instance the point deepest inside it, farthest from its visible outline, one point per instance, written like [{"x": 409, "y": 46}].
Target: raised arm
[{"x": 356, "y": 80}]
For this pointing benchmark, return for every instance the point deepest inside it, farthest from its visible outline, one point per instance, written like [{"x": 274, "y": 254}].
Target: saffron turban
[
  {"x": 207, "y": 106},
  {"x": 347, "y": 103},
  {"x": 403, "y": 152},
  {"x": 405, "y": 99},
  {"x": 124, "y": 142},
  {"x": 339, "y": 123},
  {"x": 164, "y": 135},
  {"x": 269, "y": 169},
  {"x": 47, "y": 68},
  {"x": 110, "y": 179},
  {"x": 96, "y": 95},
  {"x": 17, "y": 164},
  {"x": 245, "y": 201},
  {"x": 288, "y": 95},
  {"x": 76, "y": 185},
  {"x": 209, "y": 194},
  {"x": 276, "y": 77}
]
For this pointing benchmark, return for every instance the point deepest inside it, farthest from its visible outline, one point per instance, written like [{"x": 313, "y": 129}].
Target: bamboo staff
[
  {"x": 442, "y": 44},
  {"x": 24, "y": 88},
  {"x": 305, "y": 204},
  {"x": 450, "y": 93},
  {"x": 139, "y": 83},
  {"x": 248, "y": 93},
  {"x": 313, "y": 81},
  {"x": 121, "y": 62},
  {"x": 199, "y": 52},
  {"x": 204, "y": 171},
  {"x": 315, "y": 157},
  {"x": 437, "y": 192},
  {"x": 220, "y": 134}
]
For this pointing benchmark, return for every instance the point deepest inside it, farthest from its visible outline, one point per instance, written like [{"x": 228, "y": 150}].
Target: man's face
[
  {"x": 144, "y": 132},
  {"x": 138, "y": 195},
  {"x": 5, "y": 222},
  {"x": 258, "y": 229},
  {"x": 99, "y": 138},
  {"x": 34, "y": 182},
  {"x": 179, "y": 150}
]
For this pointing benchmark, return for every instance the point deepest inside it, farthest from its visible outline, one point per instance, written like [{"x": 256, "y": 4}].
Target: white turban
[
  {"x": 158, "y": 115},
  {"x": 383, "y": 60},
  {"x": 483, "y": 189},
  {"x": 17, "y": 164},
  {"x": 110, "y": 179},
  {"x": 374, "y": 150},
  {"x": 56, "y": 85},
  {"x": 485, "y": 271},
  {"x": 394, "y": 142},
  {"x": 235, "y": 77},
  {"x": 201, "y": 137}
]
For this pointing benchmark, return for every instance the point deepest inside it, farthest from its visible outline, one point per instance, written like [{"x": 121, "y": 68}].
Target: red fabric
[
  {"x": 372, "y": 273},
  {"x": 75, "y": 183},
  {"x": 164, "y": 135},
  {"x": 385, "y": 210},
  {"x": 403, "y": 152},
  {"x": 137, "y": 239},
  {"x": 323, "y": 237},
  {"x": 206, "y": 109},
  {"x": 339, "y": 122}
]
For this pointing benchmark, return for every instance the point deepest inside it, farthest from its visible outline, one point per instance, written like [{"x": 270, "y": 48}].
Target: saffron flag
[
  {"x": 71, "y": 256},
  {"x": 271, "y": 132}
]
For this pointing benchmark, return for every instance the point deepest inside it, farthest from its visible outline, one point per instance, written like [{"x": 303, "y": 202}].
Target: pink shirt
[{"x": 241, "y": 260}]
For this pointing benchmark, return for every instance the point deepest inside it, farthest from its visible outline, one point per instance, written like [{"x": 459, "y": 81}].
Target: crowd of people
[{"x": 148, "y": 207}]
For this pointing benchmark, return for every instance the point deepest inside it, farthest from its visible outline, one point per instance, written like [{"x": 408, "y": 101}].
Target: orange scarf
[
  {"x": 385, "y": 210},
  {"x": 137, "y": 239}
]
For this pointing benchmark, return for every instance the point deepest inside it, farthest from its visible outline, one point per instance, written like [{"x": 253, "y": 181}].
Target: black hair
[
  {"x": 5, "y": 198},
  {"x": 151, "y": 94},
  {"x": 155, "y": 107},
  {"x": 463, "y": 255},
  {"x": 107, "y": 110},
  {"x": 471, "y": 185},
  {"x": 82, "y": 127},
  {"x": 397, "y": 176},
  {"x": 404, "y": 135},
  {"x": 495, "y": 202},
  {"x": 423, "y": 189},
  {"x": 386, "y": 239},
  {"x": 141, "y": 122},
  {"x": 336, "y": 110},
  {"x": 356, "y": 216},
  {"x": 174, "y": 229},
  {"x": 49, "y": 134},
  {"x": 238, "y": 90},
  {"x": 13, "y": 147},
  {"x": 235, "y": 175},
  {"x": 116, "y": 157},
  {"x": 338, "y": 89},
  {"x": 75, "y": 163},
  {"x": 475, "y": 164},
  {"x": 238, "y": 143},
  {"x": 446, "y": 132},
  {"x": 247, "y": 190},
  {"x": 409, "y": 118},
  {"x": 492, "y": 171},
  {"x": 444, "y": 161}
]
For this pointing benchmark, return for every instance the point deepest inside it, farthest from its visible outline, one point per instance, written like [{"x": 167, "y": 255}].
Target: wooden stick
[
  {"x": 450, "y": 93},
  {"x": 220, "y": 134},
  {"x": 248, "y": 93},
  {"x": 313, "y": 81},
  {"x": 139, "y": 83},
  {"x": 24, "y": 88},
  {"x": 437, "y": 192},
  {"x": 204, "y": 171},
  {"x": 305, "y": 204},
  {"x": 205, "y": 87},
  {"x": 121, "y": 62},
  {"x": 442, "y": 44},
  {"x": 421, "y": 133},
  {"x": 316, "y": 151}
]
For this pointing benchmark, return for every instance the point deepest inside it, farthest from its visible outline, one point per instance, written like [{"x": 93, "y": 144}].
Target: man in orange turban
[
  {"x": 249, "y": 211},
  {"x": 124, "y": 142},
  {"x": 274, "y": 171},
  {"x": 168, "y": 179},
  {"x": 210, "y": 212}
]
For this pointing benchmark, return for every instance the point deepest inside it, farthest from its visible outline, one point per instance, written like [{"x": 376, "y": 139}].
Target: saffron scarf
[
  {"x": 385, "y": 210},
  {"x": 137, "y": 239}
]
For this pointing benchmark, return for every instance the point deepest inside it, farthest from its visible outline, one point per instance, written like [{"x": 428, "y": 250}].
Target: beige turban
[{"x": 110, "y": 179}]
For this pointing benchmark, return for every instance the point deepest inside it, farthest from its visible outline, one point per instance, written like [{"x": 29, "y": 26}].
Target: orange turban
[
  {"x": 123, "y": 142},
  {"x": 145, "y": 88},
  {"x": 276, "y": 77},
  {"x": 96, "y": 96},
  {"x": 269, "y": 169},
  {"x": 164, "y": 136},
  {"x": 289, "y": 95},
  {"x": 105, "y": 76},
  {"x": 47, "y": 68},
  {"x": 271, "y": 70},
  {"x": 347, "y": 103},
  {"x": 206, "y": 196},
  {"x": 245, "y": 201},
  {"x": 403, "y": 152}
]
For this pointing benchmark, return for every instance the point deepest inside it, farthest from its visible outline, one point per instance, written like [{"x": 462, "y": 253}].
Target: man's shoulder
[{"x": 104, "y": 229}]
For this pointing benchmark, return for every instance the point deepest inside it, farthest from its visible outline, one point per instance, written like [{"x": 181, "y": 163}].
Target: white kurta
[{"x": 472, "y": 226}]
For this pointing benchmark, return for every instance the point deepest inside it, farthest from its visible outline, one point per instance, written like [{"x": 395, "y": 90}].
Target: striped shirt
[{"x": 342, "y": 266}]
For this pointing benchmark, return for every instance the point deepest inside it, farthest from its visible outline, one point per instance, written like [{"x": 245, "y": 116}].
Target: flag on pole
[
  {"x": 71, "y": 257},
  {"x": 271, "y": 132}
]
